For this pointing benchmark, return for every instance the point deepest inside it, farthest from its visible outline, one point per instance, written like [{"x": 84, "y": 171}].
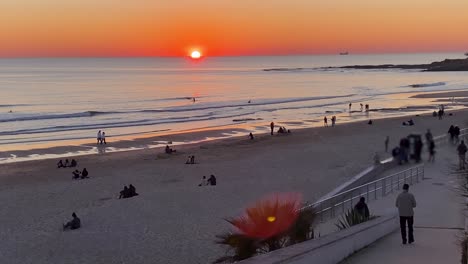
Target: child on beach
[
  {"x": 325, "y": 121},
  {"x": 212, "y": 180},
  {"x": 272, "y": 126}
]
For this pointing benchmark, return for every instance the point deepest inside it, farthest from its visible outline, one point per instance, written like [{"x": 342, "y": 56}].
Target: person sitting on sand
[
  {"x": 189, "y": 160},
  {"x": 203, "y": 181},
  {"x": 169, "y": 150},
  {"x": 370, "y": 122},
  {"x": 60, "y": 164},
  {"x": 84, "y": 174},
  {"x": 132, "y": 191},
  {"x": 280, "y": 130},
  {"x": 124, "y": 193},
  {"x": 76, "y": 174},
  {"x": 212, "y": 180},
  {"x": 410, "y": 122},
  {"x": 251, "y": 136},
  {"x": 67, "y": 163},
  {"x": 434, "y": 114},
  {"x": 73, "y": 163},
  {"x": 75, "y": 223}
]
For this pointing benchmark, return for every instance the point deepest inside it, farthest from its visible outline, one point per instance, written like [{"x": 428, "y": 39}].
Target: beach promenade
[{"x": 438, "y": 220}]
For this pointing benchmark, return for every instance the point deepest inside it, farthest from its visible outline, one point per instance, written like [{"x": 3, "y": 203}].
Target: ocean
[{"x": 62, "y": 101}]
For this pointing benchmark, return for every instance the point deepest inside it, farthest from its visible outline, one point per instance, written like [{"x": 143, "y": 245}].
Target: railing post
[
  {"x": 398, "y": 181},
  {"x": 384, "y": 186},
  {"x": 375, "y": 190},
  {"x": 367, "y": 192}
]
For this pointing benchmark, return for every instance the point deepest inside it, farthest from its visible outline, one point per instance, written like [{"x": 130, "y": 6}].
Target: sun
[{"x": 195, "y": 54}]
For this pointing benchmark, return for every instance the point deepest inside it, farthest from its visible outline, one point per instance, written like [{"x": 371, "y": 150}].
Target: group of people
[
  {"x": 128, "y": 192},
  {"x": 80, "y": 174},
  {"x": 209, "y": 181},
  {"x": 169, "y": 150},
  {"x": 281, "y": 130},
  {"x": 408, "y": 123},
  {"x": 454, "y": 132},
  {"x": 333, "y": 121},
  {"x": 405, "y": 203},
  {"x": 67, "y": 164},
  {"x": 190, "y": 159},
  {"x": 101, "y": 137}
]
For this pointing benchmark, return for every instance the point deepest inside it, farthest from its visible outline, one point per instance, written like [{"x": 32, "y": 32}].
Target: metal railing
[
  {"x": 445, "y": 138},
  {"x": 333, "y": 206}
]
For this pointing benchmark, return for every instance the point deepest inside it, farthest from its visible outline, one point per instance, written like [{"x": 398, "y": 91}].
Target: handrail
[
  {"x": 371, "y": 190},
  {"x": 326, "y": 208}
]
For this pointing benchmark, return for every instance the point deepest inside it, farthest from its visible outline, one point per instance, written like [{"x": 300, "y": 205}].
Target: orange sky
[{"x": 229, "y": 27}]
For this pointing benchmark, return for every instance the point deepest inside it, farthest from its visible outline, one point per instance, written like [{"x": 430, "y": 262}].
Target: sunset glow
[{"x": 229, "y": 28}]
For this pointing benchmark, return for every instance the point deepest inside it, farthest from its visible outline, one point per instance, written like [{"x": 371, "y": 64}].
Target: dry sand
[{"x": 173, "y": 220}]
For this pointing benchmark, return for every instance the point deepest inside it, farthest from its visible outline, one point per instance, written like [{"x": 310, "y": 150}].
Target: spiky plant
[{"x": 351, "y": 218}]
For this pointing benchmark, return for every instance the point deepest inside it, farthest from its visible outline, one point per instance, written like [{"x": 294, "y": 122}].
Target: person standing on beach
[
  {"x": 361, "y": 107},
  {"x": 325, "y": 121},
  {"x": 99, "y": 137},
  {"x": 272, "y": 127},
  {"x": 461, "y": 155},
  {"x": 333, "y": 120},
  {"x": 350, "y": 104},
  {"x": 387, "y": 140},
  {"x": 405, "y": 203},
  {"x": 103, "y": 137}
]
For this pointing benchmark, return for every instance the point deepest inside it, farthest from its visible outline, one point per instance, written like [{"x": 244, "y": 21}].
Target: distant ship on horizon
[{"x": 344, "y": 53}]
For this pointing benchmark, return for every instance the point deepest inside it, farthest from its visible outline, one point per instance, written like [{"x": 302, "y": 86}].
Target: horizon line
[{"x": 228, "y": 56}]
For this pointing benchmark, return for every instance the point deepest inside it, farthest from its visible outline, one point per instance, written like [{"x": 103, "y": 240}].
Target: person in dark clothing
[
  {"x": 73, "y": 163},
  {"x": 418, "y": 146},
  {"x": 76, "y": 174},
  {"x": 370, "y": 122},
  {"x": 325, "y": 121},
  {"x": 431, "y": 151},
  {"x": 434, "y": 114},
  {"x": 189, "y": 160},
  {"x": 451, "y": 132},
  {"x": 251, "y": 136},
  {"x": 125, "y": 193},
  {"x": 272, "y": 127},
  {"x": 67, "y": 163},
  {"x": 169, "y": 150},
  {"x": 132, "y": 191},
  {"x": 192, "y": 159},
  {"x": 212, "y": 180},
  {"x": 428, "y": 136},
  {"x": 361, "y": 208},
  {"x": 440, "y": 114},
  {"x": 84, "y": 174},
  {"x": 456, "y": 134},
  {"x": 461, "y": 149},
  {"x": 60, "y": 164},
  {"x": 75, "y": 223}
]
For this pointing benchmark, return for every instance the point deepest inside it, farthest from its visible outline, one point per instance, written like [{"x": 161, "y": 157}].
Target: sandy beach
[{"x": 173, "y": 220}]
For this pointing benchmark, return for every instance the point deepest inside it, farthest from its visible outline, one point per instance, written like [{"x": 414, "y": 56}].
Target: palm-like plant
[{"x": 351, "y": 218}]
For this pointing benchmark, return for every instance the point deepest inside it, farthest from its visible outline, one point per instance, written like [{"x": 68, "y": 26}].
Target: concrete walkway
[{"x": 438, "y": 220}]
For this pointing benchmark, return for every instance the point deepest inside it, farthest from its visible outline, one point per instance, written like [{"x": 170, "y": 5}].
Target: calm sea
[{"x": 64, "y": 100}]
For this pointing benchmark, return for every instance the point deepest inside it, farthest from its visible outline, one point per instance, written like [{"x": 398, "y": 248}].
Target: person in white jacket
[{"x": 405, "y": 203}]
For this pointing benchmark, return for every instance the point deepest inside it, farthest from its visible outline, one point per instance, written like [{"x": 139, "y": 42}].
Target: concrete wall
[{"x": 332, "y": 248}]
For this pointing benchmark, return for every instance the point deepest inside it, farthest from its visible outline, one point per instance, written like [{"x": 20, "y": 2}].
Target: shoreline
[{"x": 154, "y": 141}]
